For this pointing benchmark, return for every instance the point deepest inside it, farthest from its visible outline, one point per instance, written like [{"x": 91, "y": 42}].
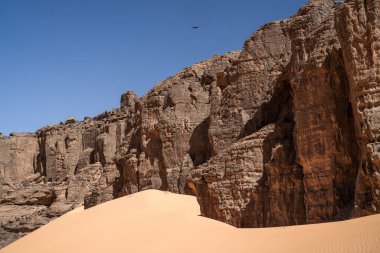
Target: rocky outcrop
[
  {"x": 322, "y": 166},
  {"x": 358, "y": 27},
  {"x": 324, "y": 129},
  {"x": 284, "y": 132},
  {"x": 47, "y": 174},
  {"x": 170, "y": 134},
  {"x": 18, "y": 157},
  {"x": 148, "y": 142}
]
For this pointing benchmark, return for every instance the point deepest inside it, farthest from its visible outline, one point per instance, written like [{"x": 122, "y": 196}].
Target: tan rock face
[
  {"x": 171, "y": 135},
  {"x": 54, "y": 170},
  {"x": 322, "y": 160},
  {"x": 284, "y": 132},
  {"x": 18, "y": 157},
  {"x": 247, "y": 86},
  {"x": 152, "y": 142}
]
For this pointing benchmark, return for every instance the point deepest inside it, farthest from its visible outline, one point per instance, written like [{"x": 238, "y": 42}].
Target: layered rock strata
[{"x": 284, "y": 132}]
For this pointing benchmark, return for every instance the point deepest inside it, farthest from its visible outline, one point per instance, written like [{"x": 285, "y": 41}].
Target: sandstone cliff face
[
  {"x": 358, "y": 26},
  {"x": 170, "y": 134},
  {"x": 46, "y": 174},
  {"x": 151, "y": 142},
  {"x": 320, "y": 162},
  {"x": 284, "y": 132},
  {"x": 323, "y": 164},
  {"x": 277, "y": 194},
  {"x": 324, "y": 132}
]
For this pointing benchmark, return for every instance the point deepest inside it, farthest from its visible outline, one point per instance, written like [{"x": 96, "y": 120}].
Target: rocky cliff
[
  {"x": 285, "y": 132},
  {"x": 148, "y": 142}
]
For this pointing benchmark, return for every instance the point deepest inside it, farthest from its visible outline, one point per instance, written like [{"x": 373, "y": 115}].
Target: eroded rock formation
[
  {"x": 284, "y": 132},
  {"x": 46, "y": 174},
  {"x": 319, "y": 163},
  {"x": 149, "y": 142}
]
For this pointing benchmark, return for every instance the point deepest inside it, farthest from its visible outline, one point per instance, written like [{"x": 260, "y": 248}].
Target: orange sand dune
[{"x": 155, "y": 221}]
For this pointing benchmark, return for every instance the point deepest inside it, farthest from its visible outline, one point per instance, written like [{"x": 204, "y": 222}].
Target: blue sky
[{"x": 61, "y": 58}]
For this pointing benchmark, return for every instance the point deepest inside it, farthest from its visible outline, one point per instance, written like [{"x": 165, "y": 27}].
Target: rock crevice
[{"x": 284, "y": 132}]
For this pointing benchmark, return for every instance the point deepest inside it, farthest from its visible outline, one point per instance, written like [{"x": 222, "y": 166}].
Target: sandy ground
[{"x": 154, "y": 221}]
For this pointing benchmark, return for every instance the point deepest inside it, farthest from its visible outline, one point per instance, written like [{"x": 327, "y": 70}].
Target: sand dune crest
[{"x": 155, "y": 221}]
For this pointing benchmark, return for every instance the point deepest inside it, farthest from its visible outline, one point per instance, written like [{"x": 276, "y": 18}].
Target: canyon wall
[
  {"x": 148, "y": 142},
  {"x": 309, "y": 153},
  {"x": 284, "y": 132}
]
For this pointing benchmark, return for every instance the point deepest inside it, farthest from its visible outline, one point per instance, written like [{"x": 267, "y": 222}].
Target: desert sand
[{"x": 155, "y": 221}]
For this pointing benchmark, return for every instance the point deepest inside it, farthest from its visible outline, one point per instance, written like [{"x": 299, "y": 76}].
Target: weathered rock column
[{"x": 358, "y": 26}]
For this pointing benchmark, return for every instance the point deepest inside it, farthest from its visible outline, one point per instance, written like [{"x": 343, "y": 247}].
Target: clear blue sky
[{"x": 61, "y": 58}]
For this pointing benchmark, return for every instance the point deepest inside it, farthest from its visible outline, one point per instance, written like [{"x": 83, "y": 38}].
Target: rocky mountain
[{"x": 285, "y": 132}]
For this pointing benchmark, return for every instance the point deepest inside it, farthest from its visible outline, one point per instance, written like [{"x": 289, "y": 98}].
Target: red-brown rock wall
[
  {"x": 358, "y": 26},
  {"x": 284, "y": 132}
]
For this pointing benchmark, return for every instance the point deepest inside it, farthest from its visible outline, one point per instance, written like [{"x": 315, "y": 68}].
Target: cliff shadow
[
  {"x": 278, "y": 199},
  {"x": 200, "y": 146}
]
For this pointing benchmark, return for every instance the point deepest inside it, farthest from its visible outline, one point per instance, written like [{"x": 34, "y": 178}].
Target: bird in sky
[{"x": 195, "y": 27}]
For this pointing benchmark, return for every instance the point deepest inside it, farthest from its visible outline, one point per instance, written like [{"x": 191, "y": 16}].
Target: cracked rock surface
[{"x": 284, "y": 132}]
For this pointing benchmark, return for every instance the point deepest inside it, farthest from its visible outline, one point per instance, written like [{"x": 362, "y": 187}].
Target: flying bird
[{"x": 195, "y": 27}]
